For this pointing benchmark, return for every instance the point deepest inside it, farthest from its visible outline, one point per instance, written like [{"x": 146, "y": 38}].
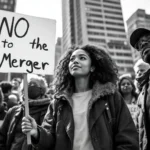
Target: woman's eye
[
  {"x": 82, "y": 58},
  {"x": 71, "y": 59}
]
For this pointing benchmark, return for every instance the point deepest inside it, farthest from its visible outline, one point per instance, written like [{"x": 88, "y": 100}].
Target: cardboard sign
[{"x": 27, "y": 44}]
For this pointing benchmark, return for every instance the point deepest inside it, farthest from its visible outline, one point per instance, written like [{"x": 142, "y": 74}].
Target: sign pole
[
  {"x": 9, "y": 76},
  {"x": 26, "y": 104}
]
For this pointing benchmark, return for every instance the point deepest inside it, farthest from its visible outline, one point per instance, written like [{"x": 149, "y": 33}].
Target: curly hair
[
  {"x": 134, "y": 94},
  {"x": 40, "y": 82},
  {"x": 105, "y": 68}
]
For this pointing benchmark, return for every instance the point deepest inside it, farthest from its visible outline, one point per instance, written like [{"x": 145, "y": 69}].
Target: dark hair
[
  {"x": 133, "y": 86},
  {"x": 105, "y": 68},
  {"x": 6, "y": 86}
]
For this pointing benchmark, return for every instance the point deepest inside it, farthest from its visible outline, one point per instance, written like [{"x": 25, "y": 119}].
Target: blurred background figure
[
  {"x": 16, "y": 89},
  {"x": 140, "y": 68},
  {"x": 9, "y": 98},
  {"x": 11, "y": 136},
  {"x": 127, "y": 89},
  {"x": 3, "y": 107}
]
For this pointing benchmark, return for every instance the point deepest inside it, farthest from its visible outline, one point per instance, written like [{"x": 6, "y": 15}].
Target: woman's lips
[{"x": 74, "y": 67}]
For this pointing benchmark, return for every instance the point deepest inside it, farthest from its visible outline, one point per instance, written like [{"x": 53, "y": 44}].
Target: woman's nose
[{"x": 75, "y": 61}]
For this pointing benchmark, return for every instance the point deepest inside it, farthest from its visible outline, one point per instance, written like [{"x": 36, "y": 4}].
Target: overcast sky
[{"x": 52, "y": 9}]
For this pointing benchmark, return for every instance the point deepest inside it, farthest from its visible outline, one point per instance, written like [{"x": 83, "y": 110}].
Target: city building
[
  {"x": 8, "y": 5},
  {"x": 98, "y": 22},
  {"x": 57, "y": 51},
  {"x": 139, "y": 19}
]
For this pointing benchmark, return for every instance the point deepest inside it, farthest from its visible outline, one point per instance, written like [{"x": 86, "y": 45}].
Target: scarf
[{"x": 142, "y": 80}]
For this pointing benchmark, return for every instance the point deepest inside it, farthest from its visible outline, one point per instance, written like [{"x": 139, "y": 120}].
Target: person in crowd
[
  {"x": 127, "y": 89},
  {"x": 87, "y": 112},
  {"x": 140, "y": 40},
  {"x": 140, "y": 68},
  {"x": 11, "y": 135},
  {"x": 9, "y": 99},
  {"x": 3, "y": 108},
  {"x": 16, "y": 89}
]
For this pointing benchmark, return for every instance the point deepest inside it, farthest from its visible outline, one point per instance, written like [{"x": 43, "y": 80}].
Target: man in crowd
[
  {"x": 140, "y": 68},
  {"x": 140, "y": 40}
]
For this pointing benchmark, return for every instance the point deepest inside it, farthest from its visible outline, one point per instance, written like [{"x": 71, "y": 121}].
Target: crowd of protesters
[{"x": 88, "y": 107}]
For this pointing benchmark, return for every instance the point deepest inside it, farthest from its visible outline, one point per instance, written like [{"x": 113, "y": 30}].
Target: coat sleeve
[
  {"x": 126, "y": 136},
  {"x": 4, "y": 130},
  {"x": 46, "y": 131}
]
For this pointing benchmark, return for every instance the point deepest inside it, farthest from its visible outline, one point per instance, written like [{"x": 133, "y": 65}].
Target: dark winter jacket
[
  {"x": 3, "y": 108},
  {"x": 109, "y": 129},
  {"x": 11, "y": 136},
  {"x": 144, "y": 129}
]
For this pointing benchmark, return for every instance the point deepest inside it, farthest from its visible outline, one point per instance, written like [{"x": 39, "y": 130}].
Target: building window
[
  {"x": 96, "y": 40},
  {"x": 113, "y": 12},
  {"x": 114, "y": 18},
  {"x": 93, "y": 15},
  {"x": 93, "y": 20},
  {"x": 115, "y": 29},
  {"x": 114, "y": 23},
  {"x": 125, "y": 61},
  {"x": 113, "y": 7},
  {"x": 95, "y": 33},
  {"x": 95, "y": 27},
  {"x": 112, "y": 2},
  {"x": 116, "y": 35},
  {"x": 94, "y": 4},
  {"x": 96, "y": 0},
  {"x": 93, "y": 9}
]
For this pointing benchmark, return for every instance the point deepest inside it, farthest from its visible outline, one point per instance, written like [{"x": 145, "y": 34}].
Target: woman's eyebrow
[{"x": 83, "y": 55}]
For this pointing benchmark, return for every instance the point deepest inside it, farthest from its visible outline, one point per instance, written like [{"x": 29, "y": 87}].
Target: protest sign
[{"x": 27, "y": 44}]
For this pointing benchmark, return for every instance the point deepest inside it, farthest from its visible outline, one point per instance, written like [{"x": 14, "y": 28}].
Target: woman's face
[
  {"x": 126, "y": 86},
  {"x": 80, "y": 63}
]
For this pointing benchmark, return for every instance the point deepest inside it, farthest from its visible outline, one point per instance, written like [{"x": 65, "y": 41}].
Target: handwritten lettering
[
  {"x": 19, "y": 63},
  {"x": 36, "y": 45},
  {"x": 11, "y": 27},
  {"x": 7, "y": 44}
]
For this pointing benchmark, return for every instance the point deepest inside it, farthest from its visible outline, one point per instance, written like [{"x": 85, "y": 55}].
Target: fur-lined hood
[{"x": 98, "y": 90}]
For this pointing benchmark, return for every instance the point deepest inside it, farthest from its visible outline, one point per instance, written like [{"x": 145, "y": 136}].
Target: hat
[{"x": 137, "y": 34}]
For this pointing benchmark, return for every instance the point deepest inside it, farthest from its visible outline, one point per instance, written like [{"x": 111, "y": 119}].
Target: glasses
[{"x": 142, "y": 42}]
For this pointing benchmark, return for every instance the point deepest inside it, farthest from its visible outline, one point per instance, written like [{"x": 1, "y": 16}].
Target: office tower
[
  {"x": 8, "y": 5},
  {"x": 98, "y": 22},
  {"x": 57, "y": 51},
  {"x": 139, "y": 19}
]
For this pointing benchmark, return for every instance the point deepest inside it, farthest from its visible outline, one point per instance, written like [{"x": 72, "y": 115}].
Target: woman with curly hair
[
  {"x": 87, "y": 112},
  {"x": 128, "y": 91}
]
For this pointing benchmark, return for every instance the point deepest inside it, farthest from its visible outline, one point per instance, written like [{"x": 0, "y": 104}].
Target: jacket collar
[{"x": 99, "y": 90}]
